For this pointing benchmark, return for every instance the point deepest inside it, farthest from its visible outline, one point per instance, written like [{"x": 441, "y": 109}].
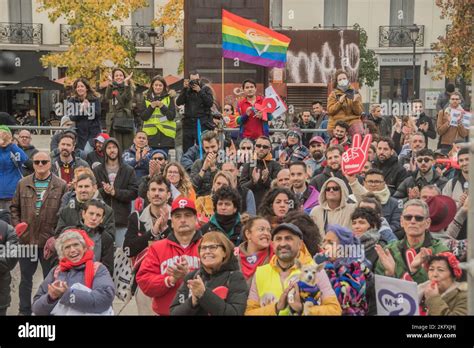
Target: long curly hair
[
  {"x": 185, "y": 186},
  {"x": 266, "y": 206}
]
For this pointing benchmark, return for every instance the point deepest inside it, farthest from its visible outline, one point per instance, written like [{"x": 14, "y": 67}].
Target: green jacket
[{"x": 398, "y": 248}]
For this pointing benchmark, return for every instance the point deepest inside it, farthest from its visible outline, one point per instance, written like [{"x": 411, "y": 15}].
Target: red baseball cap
[
  {"x": 183, "y": 203},
  {"x": 317, "y": 139}
]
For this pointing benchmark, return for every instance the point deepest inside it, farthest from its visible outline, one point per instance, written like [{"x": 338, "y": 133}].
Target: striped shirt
[{"x": 40, "y": 186}]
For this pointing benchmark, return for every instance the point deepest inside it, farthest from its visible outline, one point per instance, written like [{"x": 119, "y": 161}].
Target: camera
[{"x": 193, "y": 83}]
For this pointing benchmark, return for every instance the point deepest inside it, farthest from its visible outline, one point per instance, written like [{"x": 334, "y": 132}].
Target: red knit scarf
[
  {"x": 88, "y": 259},
  {"x": 249, "y": 263}
]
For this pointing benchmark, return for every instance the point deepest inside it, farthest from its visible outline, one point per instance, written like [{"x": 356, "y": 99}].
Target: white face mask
[{"x": 344, "y": 83}]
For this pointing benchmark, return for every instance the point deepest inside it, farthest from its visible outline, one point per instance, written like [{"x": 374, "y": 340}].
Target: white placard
[
  {"x": 281, "y": 106},
  {"x": 455, "y": 115},
  {"x": 396, "y": 297}
]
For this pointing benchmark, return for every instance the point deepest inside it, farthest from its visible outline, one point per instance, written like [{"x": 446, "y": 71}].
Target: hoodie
[
  {"x": 323, "y": 215},
  {"x": 125, "y": 185},
  {"x": 152, "y": 277}
]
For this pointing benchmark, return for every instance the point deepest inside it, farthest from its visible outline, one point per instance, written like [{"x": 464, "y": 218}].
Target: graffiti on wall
[{"x": 315, "y": 55}]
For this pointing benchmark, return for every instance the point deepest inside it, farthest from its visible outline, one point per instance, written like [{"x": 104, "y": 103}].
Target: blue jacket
[
  {"x": 141, "y": 167},
  {"x": 11, "y": 160}
]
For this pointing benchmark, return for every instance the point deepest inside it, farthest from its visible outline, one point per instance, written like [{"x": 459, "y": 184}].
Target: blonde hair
[
  {"x": 226, "y": 175},
  {"x": 185, "y": 186}
]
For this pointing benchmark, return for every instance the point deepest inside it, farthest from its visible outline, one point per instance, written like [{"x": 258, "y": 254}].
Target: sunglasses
[
  {"x": 246, "y": 148},
  {"x": 333, "y": 188},
  {"x": 418, "y": 218},
  {"x": 43, "y": 162},
  {"x": 424, "y": 159},
  {"x": 261, "y": 146}
]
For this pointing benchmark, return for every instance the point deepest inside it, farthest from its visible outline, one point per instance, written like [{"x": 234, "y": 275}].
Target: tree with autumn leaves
[
  {"x": 457, "y": 54},
  {"x": 95, "y": 40}
]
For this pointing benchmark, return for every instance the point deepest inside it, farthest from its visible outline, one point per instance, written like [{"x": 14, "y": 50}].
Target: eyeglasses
[
  {"x": 172, "y": 172},
  {"x": 43, "y": 162},
  {"x": 211, "y": 247},
  {"x": 374, "y": 182},
  {"x": 418, "y": 218},
  {"x": 246, "y": 148},
  {"x": 261, "y": 146},
  {"x": 424, "y": 159},
  {"x": 333, "y": 188}
]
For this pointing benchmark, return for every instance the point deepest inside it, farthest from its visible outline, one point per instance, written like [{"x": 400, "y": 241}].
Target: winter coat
[
  {"x": 416, "y": 179},
  {"x": 71, "y": 215},
  {"x": 11, "y": 160},
  {"x": 234, "y": 235},
  {"x": 27, "y": 167},
  {"x": 261, "y": 187},
  {"x": 152, "y": 277},
  {"x": 94, "y": 158},
  {"x": 97, "y": 301},
  {"x": 87, "y": 126},
  {"x": 202, "y": 185},
  {"x": 391, "y": 207},
  {"x": 140, "y": 167},
  {"x": 349, "y": 111},
  {"x": 139, "y": 235},
  {"x": 295, "y": 153},
  {"x": 125, "y": 185},
  {"x": 76, "y": 163},
  {"x": 8, "y": 241},
  {"x": 228, "y": 276},
  {"x": 197, "y": 105},
  {"x": 383, "y": 124},
  {"x": 188, "y": 158},
  {"x": 449, "y": 134},
  {"x": 393, "y": 172},
  {"x": 451, "y": 302},
  {"x": 323, "y": 215},
  {"x": 40, "y": 227},
  {"x": 431, "y": 132},
  {"x": 398, "y": 249},
  {"x": 306, "y": 136}
]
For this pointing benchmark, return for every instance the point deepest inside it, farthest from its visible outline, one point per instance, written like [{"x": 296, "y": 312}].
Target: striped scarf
[{"x": 40, "y": 187}]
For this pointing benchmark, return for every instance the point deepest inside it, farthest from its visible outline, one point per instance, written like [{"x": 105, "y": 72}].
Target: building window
[
  {"x": 335, "y": 13},
  {"x": 20, "y": 11},
  {"x": 145, "y": 15},
  {"x": 396, "y": 83},
  {"x": 407, "y": 8}
]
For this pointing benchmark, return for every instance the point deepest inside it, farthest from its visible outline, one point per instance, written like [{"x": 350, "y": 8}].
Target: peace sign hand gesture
[{"x": 353, "y": 159}]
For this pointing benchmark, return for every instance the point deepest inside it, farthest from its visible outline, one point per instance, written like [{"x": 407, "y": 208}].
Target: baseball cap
[
  {"x": 317, "y": 139},
  {"x": 183, "y": 203},
  {"x": 288, "y": 227},
  {"x": 102, "y": 137}
]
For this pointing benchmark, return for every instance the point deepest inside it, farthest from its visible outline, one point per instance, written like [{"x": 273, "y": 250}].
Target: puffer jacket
[
  {"x": 393, "y": 172},
  {"x": 416, "y": 179},
  {"x": 228, "y": 276}
]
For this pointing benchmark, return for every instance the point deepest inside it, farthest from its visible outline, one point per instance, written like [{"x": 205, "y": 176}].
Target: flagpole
[{"x": 222, "y": 83}]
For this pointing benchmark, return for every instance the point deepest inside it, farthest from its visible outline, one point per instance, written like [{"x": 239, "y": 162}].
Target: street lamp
[
  {"x": 414, "y": 33},
  {"x": 152, "y": 34}
]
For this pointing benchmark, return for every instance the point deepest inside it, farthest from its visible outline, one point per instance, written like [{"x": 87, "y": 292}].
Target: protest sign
[
  {"x": 396, "y": 297},
  {"x": 280, "y": 104},
  {"x": 353, "y": 159}
]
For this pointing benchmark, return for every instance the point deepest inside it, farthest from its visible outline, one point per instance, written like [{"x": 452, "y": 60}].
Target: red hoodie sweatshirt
[{"x": 152, "y": 273}]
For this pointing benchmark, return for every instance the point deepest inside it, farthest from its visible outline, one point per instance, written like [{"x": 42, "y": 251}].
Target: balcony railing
[
  {"x": 399, "y": 36},
  {"x": 21, "y": 33},
  {"x": 139, "y": 35},
  {"x": 65, "y": 31}
]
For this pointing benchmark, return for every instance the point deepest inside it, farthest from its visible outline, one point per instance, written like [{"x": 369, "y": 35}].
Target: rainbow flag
[{"x": 251, "y": 42}]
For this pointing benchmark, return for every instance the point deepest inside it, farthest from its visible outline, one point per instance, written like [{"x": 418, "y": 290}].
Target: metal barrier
[
  {"x": 282, "y": 130},
  {"x": 48, "y": 128}
]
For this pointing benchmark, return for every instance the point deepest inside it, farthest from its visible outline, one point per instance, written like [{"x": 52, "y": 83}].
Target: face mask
[{"x": 344, "y": 83}]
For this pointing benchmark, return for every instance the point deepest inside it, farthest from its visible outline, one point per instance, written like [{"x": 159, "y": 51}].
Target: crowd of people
[{"x": 238, "y": 225}]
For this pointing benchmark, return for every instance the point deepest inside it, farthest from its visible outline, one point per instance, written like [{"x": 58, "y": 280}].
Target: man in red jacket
[{"x": 169, "y": 260}]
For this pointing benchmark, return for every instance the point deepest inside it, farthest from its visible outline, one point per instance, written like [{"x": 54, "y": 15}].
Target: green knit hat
[{"x": 5, "y": 129}]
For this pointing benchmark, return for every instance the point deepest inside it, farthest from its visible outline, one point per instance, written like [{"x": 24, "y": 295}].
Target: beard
[{"x": 317, "y": 155}]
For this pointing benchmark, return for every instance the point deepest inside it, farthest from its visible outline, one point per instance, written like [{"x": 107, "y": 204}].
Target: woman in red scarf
[
  {"x": 257, "y": 249},
  {"x": 78, "y": 285}
]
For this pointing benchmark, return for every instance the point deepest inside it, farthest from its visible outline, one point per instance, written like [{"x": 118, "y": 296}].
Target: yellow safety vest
[
  {"x": 158, "y": 122},
  {"x": 268, "y": 282}
]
